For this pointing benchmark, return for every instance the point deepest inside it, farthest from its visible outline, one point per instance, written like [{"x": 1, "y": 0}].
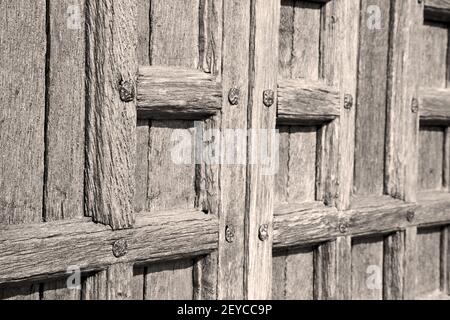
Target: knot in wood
[
  {"x": 410, "y": 216},
  {"x": 233, "y": 96},
  {"x": 120, "y": 248},
  {"x": 269, "y": 98},
  {"x": 264, "y": 232},
  {"x": 126, "y": 91},
  {"x": 348, "y": 101},
  {"x": 229, "y": 234}
]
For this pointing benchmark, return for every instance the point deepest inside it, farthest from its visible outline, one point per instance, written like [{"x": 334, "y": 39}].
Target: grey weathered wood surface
[
  {"x": 176, "y": 93},
  {"x": 438, "y": 10},
  {"x": 305, "y": 102},
  {"x": 111, "y": 123},
  {"x": 40, "y": 250},
  {"x": 434, "y": 106}
]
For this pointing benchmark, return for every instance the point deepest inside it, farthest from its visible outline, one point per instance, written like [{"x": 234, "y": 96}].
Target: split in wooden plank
[
  {"x": 304, "y": 102},
  {"x": 39, "y": 251},
  {"x": 176, "y": 93},
  {"x": 437, "y": 10},
  {"x": 435, "y": 106}
]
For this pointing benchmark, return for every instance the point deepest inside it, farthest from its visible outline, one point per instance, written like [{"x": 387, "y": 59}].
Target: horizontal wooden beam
[
  {"x": 437, "y": 10},
  {"x": 435, "y": 106},
  {"x": 300, "y": 102},
  {"x": 41, "y": 251},
  {"x": 312, "y": 223},
  {"x": 177, "y": 94}
]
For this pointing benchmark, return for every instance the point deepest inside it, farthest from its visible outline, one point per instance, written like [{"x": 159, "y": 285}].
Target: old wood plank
[
  {"x": 58, "y": 290},
  {"x": 111, "y": 122},
  {"x": 170, "y": 281},
  {"x": 431, "y": 158},
  {"x": 437, "y": 10},
  {"x": 402, "y": 121},
  {"x": 410, "y": 264},
  {"x": 282, "y": 177},
  {"x": 444, "y": 260},
  {"x": 300, "y": 101},
  {"x": 367, "y": 269},
  {"x": 344, "y": 268},
  {"x": 22, "y": 114},
  {"x": 286, "y": 39},
  {"x": 142, "y": 165},
  {"x": 260, "y": 196},
  {"x": 433, "y": 66},
  {"x": 300, "y": 274},
  {"x": 138, "y": 283},
  {"x": 325, "y": 271},
  {"x": 43, "y": 250},
  {"x": 144, "y": 32},
  {"x": 176, "y": 93},
  {"x": 114, "y": 283},
  {"x": 279, "y": 276},
  {"x": 64, "y": 160},
  {"x": 371, "y": 101},
  {"x": 22, "y": 120},
  {"x": 175, "y": 44},
  {"x": 434, "y": 106},
  {"x": 393, "y": 266},
  {"x": 428, "y": 264}
]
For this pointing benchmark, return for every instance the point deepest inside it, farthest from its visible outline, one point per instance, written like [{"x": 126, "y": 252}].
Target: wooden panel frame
[
  {"x": 437, "y": 10},
  {"x": 434, "y": 106}
]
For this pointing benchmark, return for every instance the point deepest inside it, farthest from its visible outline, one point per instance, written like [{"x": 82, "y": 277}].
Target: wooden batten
[
  {"x": 434, "y": 106},
  {"x": 177, "y": 93},
  {"x": 303, "y": 102},
  {"x": 437, "y": 10}
]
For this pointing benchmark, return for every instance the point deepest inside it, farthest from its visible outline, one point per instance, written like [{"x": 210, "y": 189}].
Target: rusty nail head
[
  {"x": 269, "y": 98},
  {"x": 343, "y": 227},
  {"x": 126, "y": 91},
  {"x": 264, "y": 232},
  {"x": 120, "y": 248},
  {"x": 348, "y": 101},
  {"x": 229, "y": 234},
  {"x": 233, "y": 96},
  {"x": 415, "y": 105},
  {"x": 410, "y": 216}
]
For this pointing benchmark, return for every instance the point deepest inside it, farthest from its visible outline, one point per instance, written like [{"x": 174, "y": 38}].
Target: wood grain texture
[
  {"x": 325, "y": 258},
  {"x": 300, "y": 274},
  {"x": 343, "y": 268},
  {"x": 176, "y": 93},
  {"x": 367, "y": 269},
  {"x": 410, "y": 264},
  {"x": 437, "y": 10},
  {"x": 144, "y": 32},
  {"x": 371, "y": 102},
  {"x": 170, "y": 281},
  {"x": 286, "y": 40},
  {"x": 260, "y": 196},
  {"x": 235, "y": 73},
  {"x": 57, "y": 290},
  {"x": 431, "y": 158},
  {"x": 393, "y": 266},
  {"x": 64, "y": 160},
  {"x": 175, "y": 44},
  {"x": 434, "y": 106},
  {"x": 142, "y": 165},
  {"x": 402, "y": 123},
  {"x": 22, "y": 115},
  {"x": 300, "y": 101},
  {"x": 45, "y": 250},
  {"x": 111, "y": 123},
  {"x": 428, "y": 253}
]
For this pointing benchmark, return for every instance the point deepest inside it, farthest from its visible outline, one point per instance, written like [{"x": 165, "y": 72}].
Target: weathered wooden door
[{"x": 138, "y": 149}]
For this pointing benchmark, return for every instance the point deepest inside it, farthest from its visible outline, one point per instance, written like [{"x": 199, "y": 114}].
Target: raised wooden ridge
[
  {"x": 177, "y": 94},
  {"x": 40, "y": 251},
  {"x": 300, "y": 101},
  {"x": 437, "y": 10},
  {"x": 435, "y": 106}
]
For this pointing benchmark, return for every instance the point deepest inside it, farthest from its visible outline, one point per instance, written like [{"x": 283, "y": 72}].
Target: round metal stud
[
  {"x": 264, "y": 232},
  {"x": 126, "y": 91},
  {"x": 233, "y": 96},
  {"x": 120, "y": 248},
  {"x": 269, "y": 98}
]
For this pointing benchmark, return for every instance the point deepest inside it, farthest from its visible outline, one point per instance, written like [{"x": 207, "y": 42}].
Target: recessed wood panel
[
  {"x": 428, "y": 251},
  {"x": 431, "y": 158}
]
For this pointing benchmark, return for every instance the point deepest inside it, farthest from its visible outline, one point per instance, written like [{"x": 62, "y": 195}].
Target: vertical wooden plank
[
  {"x": 286, "y": 39},
  {"x": 325, "y": 271},
  {"x": 344, "y": 268},
  {"x": 444, "y": 260},
  {"x": 300, "y": 274},
  {"x": 279, "y": 276},
  {"x": 144, "y": 32},
  {"x": 142, "y": 165},
  {"x": 371, "y": 101},
  {"x": 64, "y": 182},
  {"x": 171, "y": 181},
  {"x": 22, "y": 117},
  {"x": 367, "y": 269},
  {"x": 175, "y": 44},
  {"x": 115, "y": 283},
  {"x": 95, "y": 286},
  {"x": 302, "y": 164},
  {"x": 431, "y": 158},
  {"x": 428, "y": 245},
  {"x": 22, "y": 112},
  {"x": 170, "y": 281},
  {"x": 393, "y": 266},
  {"x": 138, "y": 284},
  {"x": 433, "y": 66},
  {"x": 410, "y": 264},
  {"x": 111, "y": 122},
  {"x": 282, "y": 178},
  {"x": 306, "y": 40},
  {"x": 265, "y": 20}
]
